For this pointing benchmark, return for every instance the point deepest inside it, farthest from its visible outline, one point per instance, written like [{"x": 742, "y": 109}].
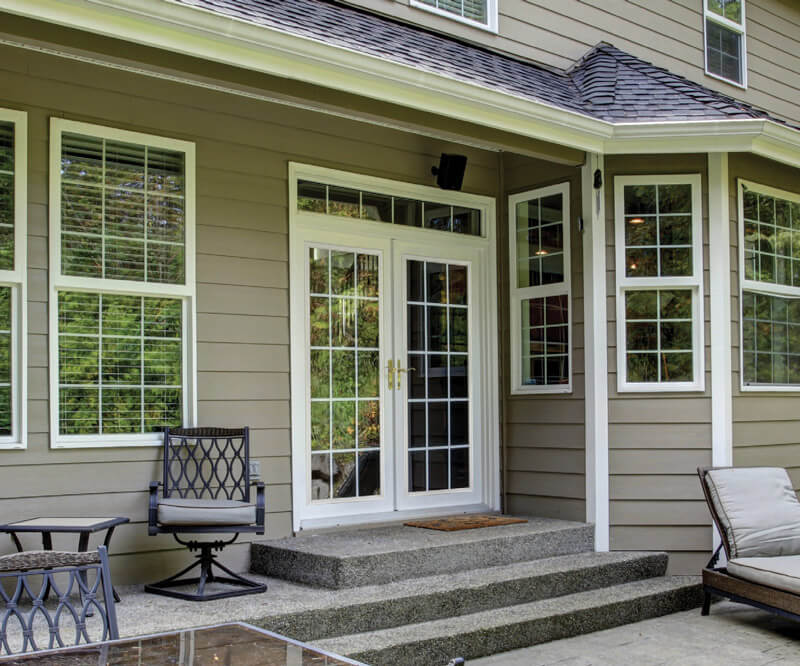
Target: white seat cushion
[
  {"x": 782, "y": 573},
  {"x": 196, "y": 512},
  {"x": 758, "y": 509}
]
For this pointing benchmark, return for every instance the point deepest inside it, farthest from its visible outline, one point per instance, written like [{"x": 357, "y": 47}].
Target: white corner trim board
[
  {"x": 203, "y": 34},
  {"x": 596, "y": 343}
]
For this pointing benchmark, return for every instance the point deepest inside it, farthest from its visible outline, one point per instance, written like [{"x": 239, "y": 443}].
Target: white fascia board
[{"x": 206, "y": 35}]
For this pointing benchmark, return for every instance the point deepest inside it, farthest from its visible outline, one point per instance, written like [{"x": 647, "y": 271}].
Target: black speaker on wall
[{"x": 450, "y": 172}]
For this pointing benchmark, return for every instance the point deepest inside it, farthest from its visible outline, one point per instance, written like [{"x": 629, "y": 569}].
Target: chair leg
[
  {"x": 706, "y": 603},
  {"x": 206, "y": 561}
]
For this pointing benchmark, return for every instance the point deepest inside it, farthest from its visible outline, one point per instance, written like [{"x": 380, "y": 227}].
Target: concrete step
[
  {"x": 488, "y": 632},
  {"x": 462, "y": 593},
  {"x": 370, "y": 556}
]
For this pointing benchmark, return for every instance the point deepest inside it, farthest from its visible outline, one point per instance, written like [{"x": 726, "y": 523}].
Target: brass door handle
[
  {"x": 400, "y": 370},
  {"x": 390, "y": 376}
]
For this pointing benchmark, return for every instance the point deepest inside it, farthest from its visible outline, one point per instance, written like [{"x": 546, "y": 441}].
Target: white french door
[{"x": 392, "y": 370}]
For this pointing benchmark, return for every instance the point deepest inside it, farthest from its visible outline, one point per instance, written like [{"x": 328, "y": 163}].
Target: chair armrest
[
  {"x": 152, "y": 513},
  {"x": 260, "y": 506}
]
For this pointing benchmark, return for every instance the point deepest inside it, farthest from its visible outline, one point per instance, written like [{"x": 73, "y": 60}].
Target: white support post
[
  {"x": 596, "y": 350},
  {"x": 719, "y": 246}
]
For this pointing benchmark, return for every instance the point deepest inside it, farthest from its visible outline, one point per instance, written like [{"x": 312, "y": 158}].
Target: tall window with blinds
[
  {"x": 479, "y": 13},
  {"x": 13, "y": 205},
  {"x": 122, "y": 299}
]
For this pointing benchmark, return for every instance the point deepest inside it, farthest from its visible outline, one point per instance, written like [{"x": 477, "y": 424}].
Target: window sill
[
  {"x": 774, "y": 388},
  {"x": 541, "y": 390},
  {"x": 13, "y": 446},
  {"x": 106, "y": 442},
  {"x": 682, "y": 387},
  {"x": 730, "y": 82}
]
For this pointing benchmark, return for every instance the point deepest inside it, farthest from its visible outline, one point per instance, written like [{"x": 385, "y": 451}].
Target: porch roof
[{"x": 606, "y": 84}]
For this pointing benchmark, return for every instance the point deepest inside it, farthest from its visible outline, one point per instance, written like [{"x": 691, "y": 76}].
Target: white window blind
[{"x": 123, "y": 300}]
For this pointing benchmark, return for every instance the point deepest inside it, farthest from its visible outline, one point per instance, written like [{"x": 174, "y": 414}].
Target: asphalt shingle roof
[{"x": 607, "y": 83}]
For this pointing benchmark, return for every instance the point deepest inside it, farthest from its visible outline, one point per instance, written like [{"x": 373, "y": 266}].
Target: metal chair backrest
[
  {"x": 207, "y": 463},
  {"x": 53, "y": 599}
]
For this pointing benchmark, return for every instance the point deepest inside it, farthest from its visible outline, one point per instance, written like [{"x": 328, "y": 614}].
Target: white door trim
[{"x": 361, "y": 232}]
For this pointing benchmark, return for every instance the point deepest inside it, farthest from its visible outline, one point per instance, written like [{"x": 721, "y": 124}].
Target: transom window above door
[{"x": 315, "y": 197}]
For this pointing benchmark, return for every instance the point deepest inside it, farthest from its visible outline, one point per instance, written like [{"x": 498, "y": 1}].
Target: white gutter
[{"x": 203, "y": 34}]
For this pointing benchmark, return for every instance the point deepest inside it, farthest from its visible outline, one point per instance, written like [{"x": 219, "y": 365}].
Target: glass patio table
[{"x": 233, "y": 644}]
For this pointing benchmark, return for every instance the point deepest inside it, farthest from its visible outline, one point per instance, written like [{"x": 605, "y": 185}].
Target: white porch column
[
  {"x": 596, "y": 350},
  {"x": 719, "y": 251}
]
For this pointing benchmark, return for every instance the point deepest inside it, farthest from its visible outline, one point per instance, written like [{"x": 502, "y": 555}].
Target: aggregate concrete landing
[
  {"x": 306, "y": 613},
  {"x": 501, "y": 629},
  {"x": 733, "y": 635},
  {"x": 354, "y": 558}
]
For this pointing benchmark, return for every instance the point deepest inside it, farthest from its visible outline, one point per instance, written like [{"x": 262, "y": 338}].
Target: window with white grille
[{"x": 726, "y": 40}]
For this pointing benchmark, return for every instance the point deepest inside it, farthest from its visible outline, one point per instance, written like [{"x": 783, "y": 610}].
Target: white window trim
[
  {"x": 693, "y": 282},
  {"x": 708, "y": 15},
  {"x": 491, "y": 24},
  {"x": 759, "y": 287},
  {"x": 17, "y": 280},
  {"x": 58, "y": 282},
  {"x": 519, "y": 294}
]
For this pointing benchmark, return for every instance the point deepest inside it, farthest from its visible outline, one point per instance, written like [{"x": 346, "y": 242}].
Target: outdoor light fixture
[{"x": 450, "y": 172}]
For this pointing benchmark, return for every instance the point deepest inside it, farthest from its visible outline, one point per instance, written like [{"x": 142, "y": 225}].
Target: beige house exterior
[{"x": 251, "y": 105}]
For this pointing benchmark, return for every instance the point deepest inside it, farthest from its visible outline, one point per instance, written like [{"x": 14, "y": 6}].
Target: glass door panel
[
  {"x": 438, "y": 382},
  {"x": 345, "y": 369}
]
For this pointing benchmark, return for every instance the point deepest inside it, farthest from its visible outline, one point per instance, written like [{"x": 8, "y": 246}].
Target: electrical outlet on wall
[{"x": 255, "y": 469}]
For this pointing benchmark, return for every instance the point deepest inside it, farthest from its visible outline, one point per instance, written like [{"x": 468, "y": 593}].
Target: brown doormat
[{"x": 467, "y": 522}]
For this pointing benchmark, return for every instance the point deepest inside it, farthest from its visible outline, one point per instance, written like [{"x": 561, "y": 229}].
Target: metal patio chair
[
  {"x": 79, "y": 587},
  {"x": 206, "y": 490}
]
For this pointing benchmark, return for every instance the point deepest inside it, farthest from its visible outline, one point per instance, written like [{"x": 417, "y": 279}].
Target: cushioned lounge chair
[{"x": 757, "y": 513}]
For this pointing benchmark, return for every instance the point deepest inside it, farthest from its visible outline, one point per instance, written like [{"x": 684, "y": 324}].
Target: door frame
[{"x": 301, "y": 223}]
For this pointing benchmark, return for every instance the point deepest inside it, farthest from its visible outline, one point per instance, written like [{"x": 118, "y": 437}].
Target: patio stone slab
[{"x": 501, "y": 629}]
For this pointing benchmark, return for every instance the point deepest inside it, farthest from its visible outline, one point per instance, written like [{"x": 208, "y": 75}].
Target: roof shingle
[{"x": 607, "y": 83}]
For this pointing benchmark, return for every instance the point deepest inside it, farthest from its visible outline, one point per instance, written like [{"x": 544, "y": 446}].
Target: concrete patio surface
[{"x": 732, "y": 635}]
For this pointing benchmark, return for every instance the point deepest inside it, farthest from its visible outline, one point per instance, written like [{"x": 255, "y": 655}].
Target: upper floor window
[
  {"x": 769, "y": 241},
  {"x": 122, "y": 285},
  {"x": 659, "y": 283},
  {"x": 478, "y": 13},
  {"x": 726, "y": 53}
]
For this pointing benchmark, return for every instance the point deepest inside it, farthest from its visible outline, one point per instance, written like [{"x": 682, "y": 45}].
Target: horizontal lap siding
[
  {"x": 657, "y": 440},
  {"x": 668, "y": 33},
  {"x": 243, "y": 148},
  {"x": 544, "y": 435},
  {"x": 766, "y": 426}
]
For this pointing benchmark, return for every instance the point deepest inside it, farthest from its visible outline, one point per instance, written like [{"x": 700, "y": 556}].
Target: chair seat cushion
[
  {"x": 782, "y": 573},
  {"x": 758, "y": 510},
  {"x": 197, "y": 512}
]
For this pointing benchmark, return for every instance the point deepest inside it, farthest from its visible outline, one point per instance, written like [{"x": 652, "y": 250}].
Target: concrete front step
[
  {"x": 450, "y": 595},
  {"x": 498, "y": 630},
  {"x": 354, "y": 558}
]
